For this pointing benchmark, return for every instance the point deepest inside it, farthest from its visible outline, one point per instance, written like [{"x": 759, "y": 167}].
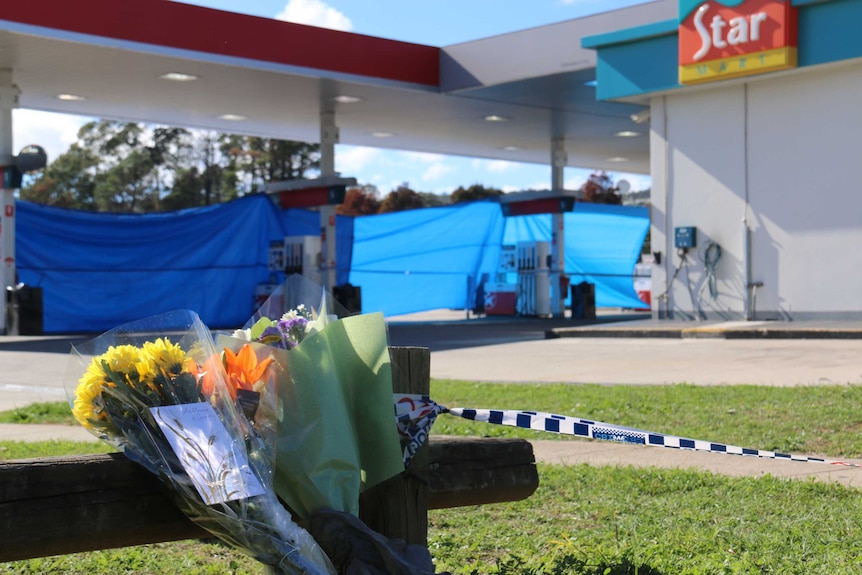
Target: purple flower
[{"x": 274, "y": 337}]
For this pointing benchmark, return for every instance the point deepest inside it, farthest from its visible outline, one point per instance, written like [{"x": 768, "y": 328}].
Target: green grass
[
  {"x": 180, "y": 558},
  {"x": 622, "y": 520},
  {"x": 50, "y": 412},
  {"x": 53, "y": 448},
  {"x": 823, "y": 420}
]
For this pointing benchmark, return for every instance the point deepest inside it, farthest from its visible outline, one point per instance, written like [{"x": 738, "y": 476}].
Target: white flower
[{"x": 243, "y": 334}]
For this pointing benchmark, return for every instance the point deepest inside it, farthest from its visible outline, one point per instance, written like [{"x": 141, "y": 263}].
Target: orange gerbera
[{"x": 244, "y": 370}]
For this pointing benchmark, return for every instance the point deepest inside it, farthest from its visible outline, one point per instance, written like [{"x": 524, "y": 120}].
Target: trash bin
[
  {"x": 350, "y": 296},
  {"x": 583, "y": 301},
  {"x": 10, "y": 321},
  {"x": 24, "y": 310}
]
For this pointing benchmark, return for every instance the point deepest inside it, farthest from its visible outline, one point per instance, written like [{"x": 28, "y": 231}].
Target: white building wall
[
  {"x": 805, "y": 166},
  {"x": 790, "y": 146},
  {"x": 701, "y": 169}
]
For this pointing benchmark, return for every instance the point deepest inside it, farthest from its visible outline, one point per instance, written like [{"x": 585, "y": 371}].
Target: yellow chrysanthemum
[
  {"x": 130, "y": 361},
  {"x": 167, "y": 357},
  {"x": 87, "y": 393}
]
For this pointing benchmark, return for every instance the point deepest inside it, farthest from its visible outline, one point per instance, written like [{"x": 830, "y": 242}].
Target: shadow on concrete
[
  {"x": 490, "y": 330},
  {"x": 39, "y": 344},
  {"x": 437, "y": 335}
]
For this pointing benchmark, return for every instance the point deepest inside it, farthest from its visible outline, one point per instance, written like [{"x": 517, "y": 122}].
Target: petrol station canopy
[{"x": 504, "y": 97}]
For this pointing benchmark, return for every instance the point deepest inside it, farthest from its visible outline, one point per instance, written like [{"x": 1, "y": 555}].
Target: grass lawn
[
  {"x": 53, "y": 412},
  {"x": 622, "y": 520},
  {"x": 610, "y": 520}
]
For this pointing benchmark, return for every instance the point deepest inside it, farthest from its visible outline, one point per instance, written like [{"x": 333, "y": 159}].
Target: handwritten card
[{"x": 217, "y": 466}]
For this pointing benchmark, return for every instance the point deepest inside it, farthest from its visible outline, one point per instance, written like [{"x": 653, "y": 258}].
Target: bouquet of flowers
[
  {"x": 197, "y": 418},
  {"x": 337, "y": 435}
]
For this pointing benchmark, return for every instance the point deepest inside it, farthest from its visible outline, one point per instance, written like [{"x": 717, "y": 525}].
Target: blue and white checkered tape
[{"x": 415, "y": 415}]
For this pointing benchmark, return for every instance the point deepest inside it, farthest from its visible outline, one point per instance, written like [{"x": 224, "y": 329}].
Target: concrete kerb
[{"x": 716, "y": 330}]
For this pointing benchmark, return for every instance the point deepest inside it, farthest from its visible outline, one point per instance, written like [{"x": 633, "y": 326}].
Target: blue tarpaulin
[
  {"x": 99, "y": 270},
  {"x": 603, "y": 244},
  {"x": 425, "y": 259}
]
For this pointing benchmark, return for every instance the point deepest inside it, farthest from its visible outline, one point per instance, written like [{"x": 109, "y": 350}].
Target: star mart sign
[{"x": 723, "y": 39}]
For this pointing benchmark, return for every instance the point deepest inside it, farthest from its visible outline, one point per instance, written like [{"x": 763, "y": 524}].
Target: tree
[
  {"x": 254, "y": 162},
  {"x": 129, "y": 167},
  {"x": 360, "y": 201},
  {"x": 600, "y": 189},
  {"x": 473, "y": 193},
  {"x": 67, "y": 182},
  {"x": 185, "y": 191},
  {"x": 432, "y": 200},
  {"x": 198, "y": 178},
  {"x": 231, "y": 148},
  {"x": 400, "y": 199},
  {"x": 132, "y": 160}
]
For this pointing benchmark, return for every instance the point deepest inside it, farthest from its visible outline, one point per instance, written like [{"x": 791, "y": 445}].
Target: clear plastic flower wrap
[{"x": 158, "y": 388}]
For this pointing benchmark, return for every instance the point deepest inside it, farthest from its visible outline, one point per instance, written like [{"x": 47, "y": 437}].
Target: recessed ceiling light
[
  {"x": 70, "y": 97},
  {"x": 591, "y": 83},
  {"x": 495, "y": 118},
  {"x": 511, "y": 148},
  {"x": 346, "y": 99},
  {"x": 627, "y": 134},
  {"x": 233, "y": 117},
  {"x": 178, "y": 77},
  {"x": 617, "y": 159},
  {"x": 382, "y": 134}
]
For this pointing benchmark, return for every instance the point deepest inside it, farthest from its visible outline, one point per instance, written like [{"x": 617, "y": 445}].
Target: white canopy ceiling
[{"x": 278, "y": 77}]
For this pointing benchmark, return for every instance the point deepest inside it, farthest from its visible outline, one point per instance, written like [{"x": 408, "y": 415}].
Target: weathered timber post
[{"x": 398, "y": 507}]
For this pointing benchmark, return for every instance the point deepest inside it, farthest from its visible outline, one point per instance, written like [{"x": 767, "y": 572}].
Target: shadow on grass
[{"x": 569, "y": 564}]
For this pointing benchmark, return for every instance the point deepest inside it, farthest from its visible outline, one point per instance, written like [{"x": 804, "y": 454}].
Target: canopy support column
[
  {"x": 9, "y": 95},
  {"x": 328, "y": 138},
  {"x": 558, "y": 244}
]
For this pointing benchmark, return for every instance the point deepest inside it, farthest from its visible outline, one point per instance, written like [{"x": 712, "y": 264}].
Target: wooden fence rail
[{"x": 62, "y": 505}]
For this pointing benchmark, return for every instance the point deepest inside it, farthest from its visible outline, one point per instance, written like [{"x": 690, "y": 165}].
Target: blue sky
[{"x": 431, "y": 22}]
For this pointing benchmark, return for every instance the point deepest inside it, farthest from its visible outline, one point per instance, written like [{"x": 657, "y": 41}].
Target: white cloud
[
  {"x": 494, "y": 166},
  {"x": 54, "y": 132},
  {"x": 637, "y": 182},
  {"x": 352, "y": 159},
  {"x": 436, "y": 171},
  {"x": 498, "y": 166},
  {"x": 315, "y": 13}
]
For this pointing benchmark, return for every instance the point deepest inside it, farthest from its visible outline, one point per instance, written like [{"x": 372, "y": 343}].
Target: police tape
[{"x": 416, "y": 414}]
